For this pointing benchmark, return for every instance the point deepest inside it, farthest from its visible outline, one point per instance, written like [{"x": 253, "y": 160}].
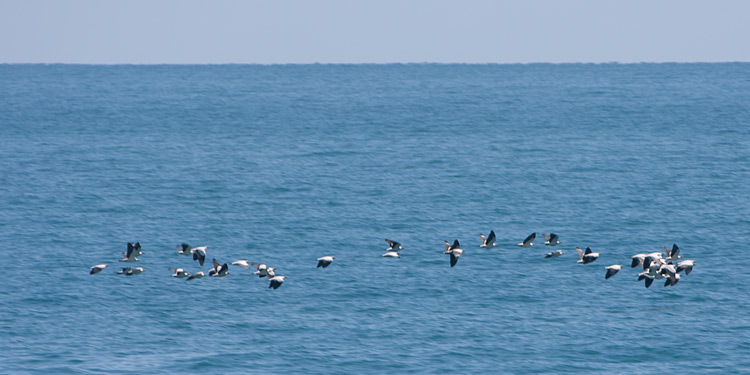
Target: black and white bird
[
  {"x": 685, "y": 265},
  {"x": 552, "y": 239},
  {"x": 325, "y": 261},
  {"x": 179, "y": 273},
  {"x": 587, "y": 256},
  {"x": 646, "y": 276},
  {"x": 97, "y": 268},
  {"x": 199, "y": 254},
  {"x": 673, "y": 254},
  {"x": 488, "y": 241},
  {"x": 261, "y": 269},
  {"x": 393, "y": 249},
  {"x": 655, "y": 258},
  {"x": 196, "y": 275},
  {"x": 276, "y": 281},
  {"x": 393, "y": 245},
  {"x": 554, "y": 254},
  {"x": 184, "y": 249},
  {"x": 270, "y": 272},
  {"x": 219, "y": 270},
  {"x": 134, "y": 250},
  {"x": 612, "y": 270},
  {"x": 454, "y": 250},
  {"x": 637, "y": 260},
  {"x": 130, "y": 271},
  {"x": 242, "y": 263},
  {"x": 670, "y": 273},
  {"x": 528, "y": 242}
]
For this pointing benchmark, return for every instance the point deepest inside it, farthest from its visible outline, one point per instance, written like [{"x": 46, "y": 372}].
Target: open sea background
[{"x": 284, "y": 164}]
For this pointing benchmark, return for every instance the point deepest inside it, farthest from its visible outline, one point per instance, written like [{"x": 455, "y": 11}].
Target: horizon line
[{"x": 380, "y": 63}]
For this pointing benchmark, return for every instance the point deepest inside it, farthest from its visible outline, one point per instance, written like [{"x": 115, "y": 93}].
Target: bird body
[
  {"x": 685, "y": 265},
  {"x": 612, "y": 270},
  {"x": 552, "y": 239},
  {"x": 261, "y": 269},
  {"x": 454, "y": 250},
  {"x": 184, "y": 249},
  {"x": 219, "y": 270},
  {"x": 528, "y": 241},
  {"x": 131, "y": 256},
  {"x": 242, "y": 263},
  {"x": 488, "y": 241},
  {"x": 674, "y": 253},
  {"x": 179, "y": 273},
  {"x": 325, "y": 261},
  {"x": 199, "y": 254},
  {"x": 554, "y": 254},
  {"x": 196, "y": 275},
  {"x": 587, "y": 256},
  {"x": 97, "y": 268},
  {"x": 276, "y": 281}
]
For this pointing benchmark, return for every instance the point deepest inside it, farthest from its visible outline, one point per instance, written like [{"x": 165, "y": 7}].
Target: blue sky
[{"x": 339, "y": 31}]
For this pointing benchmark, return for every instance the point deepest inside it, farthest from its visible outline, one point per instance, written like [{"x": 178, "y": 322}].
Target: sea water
[{"x": 283, "y": 164}]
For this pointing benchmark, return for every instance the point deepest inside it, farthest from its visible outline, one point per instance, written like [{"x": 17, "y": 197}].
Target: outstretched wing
[{"x": 491, "y": 237}]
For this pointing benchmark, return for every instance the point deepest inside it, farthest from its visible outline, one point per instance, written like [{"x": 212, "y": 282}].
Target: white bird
[
  {"x": 454, "y": 250},
  {"x": 242, "y": 263},
  {"x": 184, "y": 249},
  {"x": 612, "y": 270},
  {"x": 391, "y": 254},
  {"x": 685, "y": 265},
  {"x": 270, "y": 272},
  {"x": 528, "y": 241},
  {"x": 393, "y": 245},
  {"x": 554, "y": 254},
  {"x": 97, "y": 268},
  {"x": 261, "y": 269},
  {"x": 587, "y": 256},
  {"x": 276, "y": 281},
  {"x": 219, "y": 270},
  {"x": 673, "y": 254},
  {"x": 488, "y": 241},
  {"x": 552, "y": 239},
  {"x": 325, "y": 261},
  {"x": 179, "y": 273},
  {"x": 199, "y": 254},
  {"x": 196, "y": 275},
  {"x": 132, "y": 254}
]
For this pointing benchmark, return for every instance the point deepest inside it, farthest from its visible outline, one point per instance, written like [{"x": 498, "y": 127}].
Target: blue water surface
[{"x": 285, "y": 164}]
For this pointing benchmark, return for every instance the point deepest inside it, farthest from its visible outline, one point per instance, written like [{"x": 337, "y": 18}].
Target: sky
[{"x": 382, "y": 31}]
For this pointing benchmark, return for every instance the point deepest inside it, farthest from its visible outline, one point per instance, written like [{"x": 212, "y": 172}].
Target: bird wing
[
  {"x": 529, "y": 238},
  {"x": 491, "y": 237},
  {"x": 455, "y": 245}
]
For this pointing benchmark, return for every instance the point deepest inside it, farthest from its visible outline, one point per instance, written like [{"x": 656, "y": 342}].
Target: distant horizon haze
[{"x": 342, "y": 32}]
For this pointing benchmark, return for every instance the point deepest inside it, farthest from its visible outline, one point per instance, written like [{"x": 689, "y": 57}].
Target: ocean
[{"x": 283, "y": 164}]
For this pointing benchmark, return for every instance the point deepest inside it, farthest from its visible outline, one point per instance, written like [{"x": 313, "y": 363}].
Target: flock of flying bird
[{"x": 655, "y": 265}]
